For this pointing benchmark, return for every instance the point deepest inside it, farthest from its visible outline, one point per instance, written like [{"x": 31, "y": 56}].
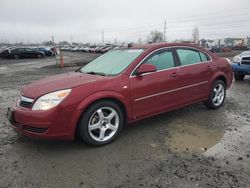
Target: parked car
[
  {"x": 22, "y": 53},
  {"x": 76, "y": 49},
  {"x": 46, "y": 51},
  {"x": 63, "y": 48},
  {"x": 121, "y": 86},
  {"x": 93, "y": 49},
  {"x": 106, "y": 49},
  {"x": 6, "y": 51},
  {"x": 226, "y": 49},
  {"x": 97, "y": 49},
  {"x": 67, "y": 48},
  {"x": 240, "y": 47},
  {"x": 241, "y": 65},
  {"x": 215, "y": 49},
  {"x": 85, "y": 49}
]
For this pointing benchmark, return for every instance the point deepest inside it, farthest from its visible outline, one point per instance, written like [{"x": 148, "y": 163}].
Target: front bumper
[
  {"x": 237, "y": 67},
  {"x": 56, "y": 123}
]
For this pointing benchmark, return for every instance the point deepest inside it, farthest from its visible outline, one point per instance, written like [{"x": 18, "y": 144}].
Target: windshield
[{"x": 112, "y": 63}]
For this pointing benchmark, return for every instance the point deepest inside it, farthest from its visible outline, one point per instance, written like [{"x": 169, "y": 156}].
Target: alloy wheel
[
  {"x": 103, "y": 124},
  {"x": 218, "y": 94}
]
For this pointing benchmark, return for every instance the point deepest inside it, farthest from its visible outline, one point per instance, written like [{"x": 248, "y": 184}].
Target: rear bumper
[
  {"x": 54, "y": 124},
  {"x": 237, "y": 67}
]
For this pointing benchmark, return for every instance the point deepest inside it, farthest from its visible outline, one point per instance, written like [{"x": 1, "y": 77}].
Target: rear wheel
[
  {"x": 101, "y": 123},
  {"x": 217, "y": 95},
  {"x": 16, "y": 56},
  {"x": 239, "y": 76}
]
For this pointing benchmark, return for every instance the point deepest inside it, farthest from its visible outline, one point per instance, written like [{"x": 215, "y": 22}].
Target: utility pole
[
  {"x": 71, "y": 38},
  {"x": 54, "y": 46},
  {"x": 164, "y": 32},
  {"x": 102, "y": 37}
]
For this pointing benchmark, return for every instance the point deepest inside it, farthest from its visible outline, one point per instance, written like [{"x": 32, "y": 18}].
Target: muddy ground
[{"x": 190, "y": 147}]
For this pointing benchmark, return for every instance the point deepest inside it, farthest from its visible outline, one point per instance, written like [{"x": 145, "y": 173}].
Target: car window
[
  {"x": 162, "y": 60},
  {"x": 188, "y": 57},
  {"x": 17, "y": 50},
  {"x": 27, "y": 50},
  {"x": 204, "y": 57},
  {"x": 14, "y": 50}
]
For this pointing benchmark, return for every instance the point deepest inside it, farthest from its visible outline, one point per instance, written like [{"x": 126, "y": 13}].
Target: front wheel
[
  {"x": 217, "y": 95},
  {"x": 101, "y": 123},
  {"x": 239, "y": 76}
]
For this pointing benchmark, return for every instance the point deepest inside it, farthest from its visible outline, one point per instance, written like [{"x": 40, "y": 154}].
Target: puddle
[
  {"x": 193, "y": 138},
  {"x": 235, "y": 141}
]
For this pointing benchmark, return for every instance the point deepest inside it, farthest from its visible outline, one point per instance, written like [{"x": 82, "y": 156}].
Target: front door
[{"x": 153, "y": 92}]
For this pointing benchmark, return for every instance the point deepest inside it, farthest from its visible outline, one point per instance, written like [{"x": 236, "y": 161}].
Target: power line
[
  {"x": 191, "y": 18},
  {"x": 244, "y": 19}
]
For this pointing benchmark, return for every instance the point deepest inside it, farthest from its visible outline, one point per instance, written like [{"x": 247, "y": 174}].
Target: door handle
[{"x": 174, "y": 75}]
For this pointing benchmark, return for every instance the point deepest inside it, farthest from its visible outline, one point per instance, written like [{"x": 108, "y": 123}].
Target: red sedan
[{"x": 121, "y": 86}]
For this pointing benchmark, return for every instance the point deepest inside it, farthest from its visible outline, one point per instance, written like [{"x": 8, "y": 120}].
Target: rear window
[
  {"x": 188, "y": 57},
  {"x": 204, "y": 57}
]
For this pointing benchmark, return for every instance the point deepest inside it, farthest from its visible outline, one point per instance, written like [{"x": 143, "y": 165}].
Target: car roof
[
  {"x": 161, "y": 45},
  {"x": 155, "y": 46}
]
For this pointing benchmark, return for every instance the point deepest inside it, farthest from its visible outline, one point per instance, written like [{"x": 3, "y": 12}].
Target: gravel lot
[{"x": 190, "y": 147}]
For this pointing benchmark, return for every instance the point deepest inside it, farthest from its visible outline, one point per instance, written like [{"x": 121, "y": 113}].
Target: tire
[
  {"x": 16, "y": 56},
  {"x": 217, "y": 95},
  {"x": 39, "y": 56},
  {"x": 96, "y": 128},
  {"x": 239, "y": 76}
]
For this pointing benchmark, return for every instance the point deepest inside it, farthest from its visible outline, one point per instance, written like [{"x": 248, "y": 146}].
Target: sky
[{"x": 121, "y": 20}]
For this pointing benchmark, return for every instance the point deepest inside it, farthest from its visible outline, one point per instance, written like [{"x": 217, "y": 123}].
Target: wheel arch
[
  {"x": 104, "y": 96},
  {"x": 220, "y": 76}
]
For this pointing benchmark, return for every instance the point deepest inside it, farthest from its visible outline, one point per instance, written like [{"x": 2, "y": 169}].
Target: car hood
[
  {"x": 59, "y": 82},
  {"x": 245, "y": 53}
]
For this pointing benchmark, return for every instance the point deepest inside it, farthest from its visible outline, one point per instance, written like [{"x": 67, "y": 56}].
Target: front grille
[
  {"x": 245, "y": 61},
  {"x": 26, "y": 102},
  {"x": 246, "y": 58},
  {"x": 34, "y": 129}
]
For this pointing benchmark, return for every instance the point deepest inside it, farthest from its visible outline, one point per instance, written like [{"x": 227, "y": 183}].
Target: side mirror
[{"x": 146, "y": 68}]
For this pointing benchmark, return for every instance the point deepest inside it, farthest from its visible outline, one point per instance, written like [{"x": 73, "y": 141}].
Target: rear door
[
  {"x": 29, "y": 52},
  {"x": 195, "y": 72},
  {"x": 20, "y": 52},
  {"x": 154, "y": 92}
]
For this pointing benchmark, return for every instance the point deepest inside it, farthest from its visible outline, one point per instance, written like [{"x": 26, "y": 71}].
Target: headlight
[
  {"x": 50, "y": 100},
  {"x": 236, "y": 59}
]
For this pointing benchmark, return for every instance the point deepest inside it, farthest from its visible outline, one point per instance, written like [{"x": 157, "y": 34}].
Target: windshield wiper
[{"x": 96, "y": 73}]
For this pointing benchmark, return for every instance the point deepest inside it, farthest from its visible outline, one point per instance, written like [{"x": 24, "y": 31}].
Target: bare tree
[
  {"x": 196, "y": 35},
  {"x": 64, "y": 43},
  {"x": 47, "y": 43},
  {"x": 155, "y": 37},
  {"x": 139, "y": 41}
]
